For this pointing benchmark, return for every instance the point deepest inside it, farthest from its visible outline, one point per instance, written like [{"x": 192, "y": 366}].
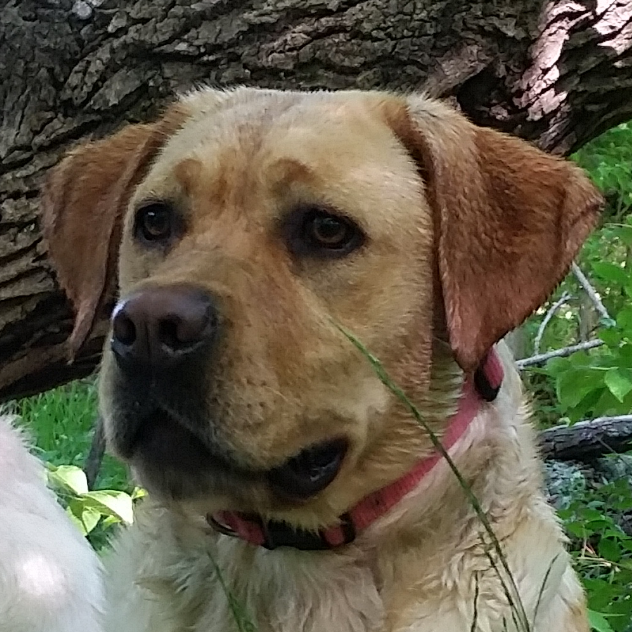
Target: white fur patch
[{"x": 50, "y": 578}]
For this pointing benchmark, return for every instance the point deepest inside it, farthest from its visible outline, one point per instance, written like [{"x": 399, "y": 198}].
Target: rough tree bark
[
  {"x": 587, "y": 440},
  {"x": 556, "y": 72}
]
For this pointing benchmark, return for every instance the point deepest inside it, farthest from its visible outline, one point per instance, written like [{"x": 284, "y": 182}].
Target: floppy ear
[
  {"x": 82, "y": 205},
  {"x": 509, "y": 219}
]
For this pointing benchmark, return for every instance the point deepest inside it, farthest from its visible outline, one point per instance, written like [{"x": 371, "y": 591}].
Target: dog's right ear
[{"x": 83, "y": 202}]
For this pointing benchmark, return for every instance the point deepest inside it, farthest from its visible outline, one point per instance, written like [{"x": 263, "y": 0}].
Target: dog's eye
[
  {"x": 328, "y": 231},
  {"x": 317, "y": 232},
  {"x": 154, "y": 222}
]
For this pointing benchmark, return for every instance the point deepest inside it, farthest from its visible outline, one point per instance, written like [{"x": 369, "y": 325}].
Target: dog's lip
[
  {"x": 161, "y": 441},
  {"x": 166, "y": 442},
  {"x": 310, "y": 471}
]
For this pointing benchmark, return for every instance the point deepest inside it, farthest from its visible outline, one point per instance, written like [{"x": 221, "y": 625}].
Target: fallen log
[{"x": 587, "y": 440}]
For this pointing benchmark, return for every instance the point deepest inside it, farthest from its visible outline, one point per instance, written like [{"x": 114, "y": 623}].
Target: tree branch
[
  {"x": 566, "y": 296},
  {"x": 564, "y": 352},
  {"x": 590, "y": 290}
]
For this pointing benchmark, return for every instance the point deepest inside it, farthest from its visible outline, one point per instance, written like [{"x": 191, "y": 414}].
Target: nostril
[
  {"x": 183, "y": 331},
  {"x": 123, "y": 329},
  {"x": 188, "y": 327},
  {"x": 168, "y": 333}
]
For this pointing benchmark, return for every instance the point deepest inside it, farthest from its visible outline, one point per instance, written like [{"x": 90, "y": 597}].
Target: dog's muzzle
[{"x": 163, "y": 341}]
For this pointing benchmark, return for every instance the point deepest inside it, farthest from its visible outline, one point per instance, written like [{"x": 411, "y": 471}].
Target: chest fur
[{"x": 236, "y": 587}]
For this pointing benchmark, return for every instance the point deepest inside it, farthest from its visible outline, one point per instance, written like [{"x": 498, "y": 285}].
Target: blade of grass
[
  {"x": 475, "y": 616},
  {"x": 513, "y": 594},
  {"x": 242, "y": 619},
  {"x": 497, "y": 570},
  {"x": 542, "y": 587}
]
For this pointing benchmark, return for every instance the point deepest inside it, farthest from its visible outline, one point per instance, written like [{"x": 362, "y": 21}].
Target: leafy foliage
[
  {"x": 61, "y": 422},
  {"x": 608, "y": 159},
  {"x": 598, "y": 382},
  {"x": 91, "y": 509},
  {"x": 603, "y": 553}
]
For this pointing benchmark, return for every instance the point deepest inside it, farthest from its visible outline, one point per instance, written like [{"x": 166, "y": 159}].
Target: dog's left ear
[{"x": 509, "y": 219}]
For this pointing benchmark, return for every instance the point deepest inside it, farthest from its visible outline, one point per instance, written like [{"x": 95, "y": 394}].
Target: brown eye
[
  {"x": 319, "y": 233},
  {"x": 154, "y": 222},
  {"x": 328, "y": 231}
]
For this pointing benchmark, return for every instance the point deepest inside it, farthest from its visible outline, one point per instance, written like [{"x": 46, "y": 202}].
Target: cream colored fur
[
  {"x": 464, "y": 232},
  {"x": 50, "y": 578},
  {"x": 416, "y": 570}
]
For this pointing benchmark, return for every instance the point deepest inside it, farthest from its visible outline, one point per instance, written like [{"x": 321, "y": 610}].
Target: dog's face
[
  {"x": 252, "y": 229},
  {"x": 264, "y": 224}
]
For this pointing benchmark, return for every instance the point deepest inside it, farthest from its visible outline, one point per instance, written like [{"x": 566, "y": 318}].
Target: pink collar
[{"x": 484, "y": 386}]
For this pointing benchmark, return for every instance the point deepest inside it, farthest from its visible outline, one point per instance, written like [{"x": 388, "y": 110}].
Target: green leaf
[
  {"x": 609, "y": 549},
  {"x": 608, "y": 322},
  {"x": 599, "y": 592},
  {"x": 76, "y": 521},
  {"x": 109, "y": 522},
  {"x": 598, "y": 622},
  {"x": 139, "y": 493},
  {"x": 578, "y": 529},
  {"x": 624, "y": 233},
  {"x": 608, "y": 404},
  {"x": 87, "y": 517},
  {"x": 624, "y": 319},
  {"x": 597, "y": 526},
  {"x": 619, "y": 382},
  {"x": 588, "y": 514},
  {"x": 625, "y": 354},
  {"x": 575, "y": 384},
  {"x": 555, "y": 366},
  {"x": 70, "y": 478},
  {"x": 579, "y": 360},
  {"x": 611, "y": 336},
  {"x": 111, "y": 503},
  {"x": 90, "y": 518},
  {"x": 610, "y": 272}
]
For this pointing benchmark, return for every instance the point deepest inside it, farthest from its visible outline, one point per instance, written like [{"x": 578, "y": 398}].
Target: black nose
[{"x": 163, "y": 326}]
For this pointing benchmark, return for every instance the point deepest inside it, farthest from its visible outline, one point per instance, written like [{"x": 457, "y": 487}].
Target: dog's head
[{"x": 250, "y": 226}]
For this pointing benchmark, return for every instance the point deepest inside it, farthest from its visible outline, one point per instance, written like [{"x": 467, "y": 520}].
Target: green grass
[{"x": 61, "y": 422}]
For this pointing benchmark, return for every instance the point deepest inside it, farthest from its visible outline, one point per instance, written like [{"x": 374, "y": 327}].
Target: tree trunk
[{"x": 557, "y": 73}]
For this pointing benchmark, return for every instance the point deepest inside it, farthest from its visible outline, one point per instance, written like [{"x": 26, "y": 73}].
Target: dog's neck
[{"x": 474, "y": 391}]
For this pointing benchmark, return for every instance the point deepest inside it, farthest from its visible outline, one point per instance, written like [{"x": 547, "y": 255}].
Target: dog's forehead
[
  {"x": 249, "y": 119},
  {"x": 338, "y": 143}
]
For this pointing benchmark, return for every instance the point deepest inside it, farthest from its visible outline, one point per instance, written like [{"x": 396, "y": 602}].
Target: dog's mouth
[
  {"x": 309, "y": 472},
  {"x": 163, "y": 444}
]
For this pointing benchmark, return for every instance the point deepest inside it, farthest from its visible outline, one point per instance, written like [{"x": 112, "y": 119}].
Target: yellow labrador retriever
[
  {"x": 290, "y": 489},
  {"x": 50, "y": 578}
]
